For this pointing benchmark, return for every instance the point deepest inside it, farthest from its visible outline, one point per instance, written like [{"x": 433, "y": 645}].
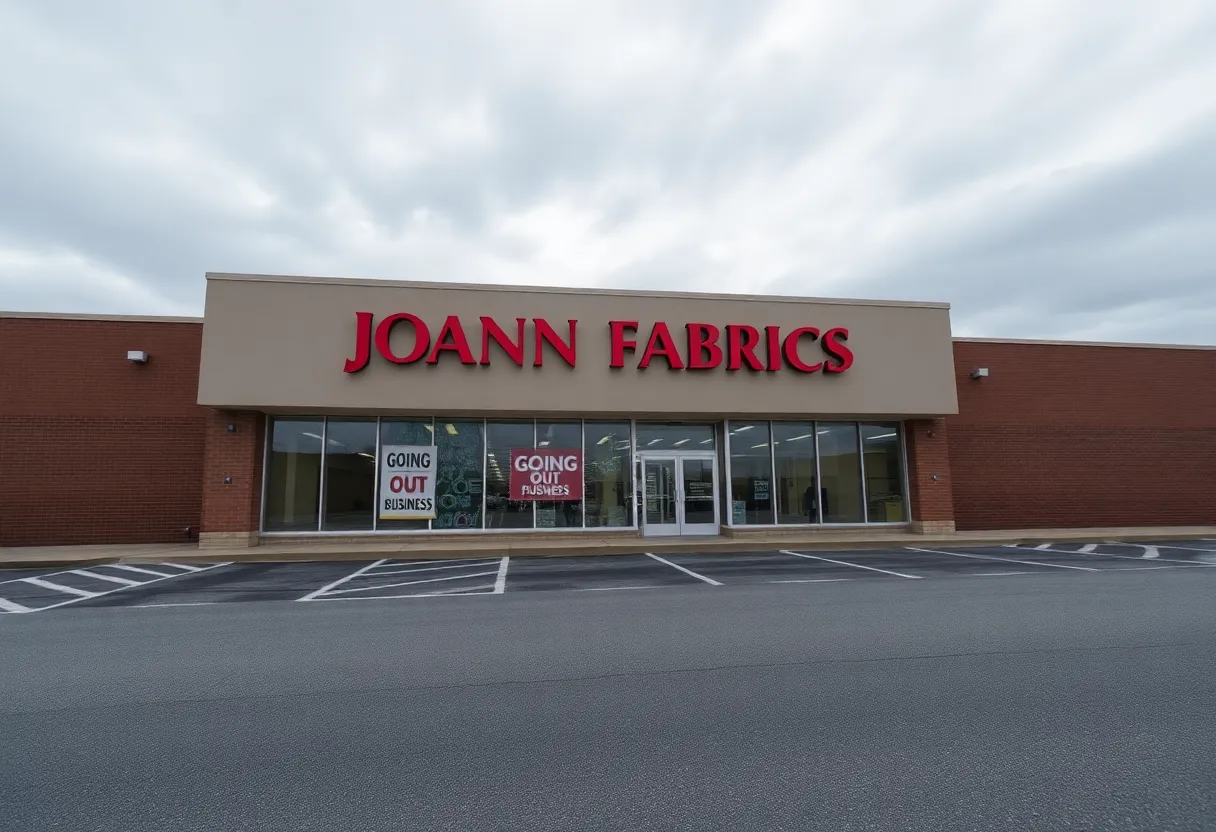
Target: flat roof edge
[
  {"x": 86, "y": 316},
  {"x": 1060, "y": 343},
  {"x": 566, "y": 290}
]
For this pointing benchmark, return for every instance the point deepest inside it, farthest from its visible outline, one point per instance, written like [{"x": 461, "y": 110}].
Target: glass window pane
[
  {"x": 663, "y": 437},
  {"x": 350, "y": 475},
  {"x": 840, "y": 466},
  {"x": 405, "y": 432},
  {"x": 458, "y": 482},
  {"x": 608, "y": 488},
  {"x": 559, "y": 513},
  {"x": 882, "y": 453},
  {"x": 501, "y": 511},
  {"x": 798, "y": 494},
  {"x": 293, "y": 475},
  {"x": 751, "y": 473}
]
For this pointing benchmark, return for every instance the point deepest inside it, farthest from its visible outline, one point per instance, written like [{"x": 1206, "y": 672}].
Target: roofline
[
  {"x": 1059, "y": 343},
  {"x": 564, "y": 290},
  {"x": 84, "y": 316}
]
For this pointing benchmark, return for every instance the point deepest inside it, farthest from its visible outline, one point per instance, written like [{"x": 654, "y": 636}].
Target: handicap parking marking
[
  {"x": 31, "y": 593},
  {"x": 373, "y": 580},
  {"x": 1004, "y": 560},
  {"x": 854, "y": 565}
]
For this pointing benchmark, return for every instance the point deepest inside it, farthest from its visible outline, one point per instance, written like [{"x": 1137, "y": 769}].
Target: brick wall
[
  {"x": 232, "y": 475},
  {"x": 94, "y": 448},
  {"x": 930, "y": 484},
  {"x": 1070, "y": 436}
]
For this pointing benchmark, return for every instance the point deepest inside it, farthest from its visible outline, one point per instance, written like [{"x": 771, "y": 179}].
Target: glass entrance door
[{"x": 679, "y": 495}]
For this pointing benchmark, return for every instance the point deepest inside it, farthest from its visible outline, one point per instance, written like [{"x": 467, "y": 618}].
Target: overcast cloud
[{"x": 1049, "y": 168}]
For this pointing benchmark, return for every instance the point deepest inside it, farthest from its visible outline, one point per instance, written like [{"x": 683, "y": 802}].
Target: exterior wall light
[
  {"x": 980, "y": 372},
  {"x": 137, "y": 356}
]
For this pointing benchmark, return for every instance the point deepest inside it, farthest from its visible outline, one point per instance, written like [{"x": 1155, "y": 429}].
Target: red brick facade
[
  {"x": 1074, "y": 436},
  {"x": 97, "y": 449}
]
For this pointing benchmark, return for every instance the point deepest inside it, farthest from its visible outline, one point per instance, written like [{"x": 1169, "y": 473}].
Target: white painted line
[
  {"x": 1128, "y": 557},
  {"x": 854, "y": 565},
  {"x": 709, "y": 581},
  {"x": 389, "y": 562},
  {"x": 500, "y": 582},
  {"x": 1043, "y": 546},
  {"x": 1088, "y": 547},
  {"x": 184, "y": 604},
  {"x": 12, "y": 606},
  {"x": 116, "y": 589},
  {"x": 411, "y": 583},
  {"x": 380, "y": 572},
  {"x": 71, "y": 590},
  {"x": 1005, "y": 560},
  {"x": 615, "y": 588},
  {"x": 98, "y": 576},
  {"x": 319, "y": 592},
  {"x": 1169, "y": 546},
  {"x": 995, "y": 574},
  {"x": 812, "y": 581},
  {"x": 185, "y": 566},
  {"x": 1142, "y": 568},
  {"x": 139, "y": 569},
  {"x": 485, "y": 589}
]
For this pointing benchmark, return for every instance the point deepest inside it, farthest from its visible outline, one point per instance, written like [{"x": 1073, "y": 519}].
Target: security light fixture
[
  {"x": 980, "y": 372},
  {"x": 137, "y": 356}
]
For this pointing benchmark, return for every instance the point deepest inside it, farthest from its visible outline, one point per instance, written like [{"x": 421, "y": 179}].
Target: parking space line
[
  {"x": 1042, "y": 546},
  {"x": 500, "y": 582},
  {"x": 1088, "y": 547},
  {"x": 380, "y": 572},
  {"x": 140, "y": 570},
  {"x": 12, "y": 606},
  {"x": 185, "y": 566},
  {"x": 70, "y": 590},
  {"x": 854, "y": 565},
  {"x": 1005, "y": 560},
  {"x": 406, "y": 561},
  {"x": 98, "y": 576},
  {"x": 995, "y": 574},
  {"x": 183, "y": 604},
  {"x": 319, "y": 592},
  {"x": 1128, "y": 557},
  {"x": 699, "y": 577},
  {"x": 812, "y": 581},
  {"x": 410, "y": 583}
]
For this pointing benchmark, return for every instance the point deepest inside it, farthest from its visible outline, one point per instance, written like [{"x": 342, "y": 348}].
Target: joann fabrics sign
[
  {"x": 546, "y": 474},
  {"x": 407, "y": 482}
]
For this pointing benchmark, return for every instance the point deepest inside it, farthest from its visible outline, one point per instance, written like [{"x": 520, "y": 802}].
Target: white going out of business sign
[{"x": 407, "y": 482}]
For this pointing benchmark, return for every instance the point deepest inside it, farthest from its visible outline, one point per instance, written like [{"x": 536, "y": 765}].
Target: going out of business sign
[
  {"x": 407, "y": 482},
  {"x": 546, "y": 474}
]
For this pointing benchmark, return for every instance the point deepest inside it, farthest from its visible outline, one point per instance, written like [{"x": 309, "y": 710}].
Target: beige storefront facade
[{"x": 682, "y": 413}]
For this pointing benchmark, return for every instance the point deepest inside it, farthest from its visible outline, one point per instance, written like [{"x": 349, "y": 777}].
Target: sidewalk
[{"x": 319, "y": 549}]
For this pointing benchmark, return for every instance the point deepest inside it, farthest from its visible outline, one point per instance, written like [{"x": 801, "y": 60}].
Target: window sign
[
  {"x": 545, "y": 474},
  {"x": 407, "y": 482}
]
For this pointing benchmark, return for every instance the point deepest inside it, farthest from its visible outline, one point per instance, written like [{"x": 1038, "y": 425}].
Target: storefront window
[
  {"x": 405, "y": 432},
  {"x": 798, "y": 492},
  {"x": 840, "y": 467},
  {"x": 882, "y": 457},
  {"x": 350, "y": 475},
  {"x": 608, "y": 490},
  {"x": 560, "y": 513},
  {"x": 751, "y": 473},
  {"x": 293, "y": 475},
  {"x": 678, "y": 437},
  {"x": 458, "y": 482},
  {"x": 501, "y": 511}
]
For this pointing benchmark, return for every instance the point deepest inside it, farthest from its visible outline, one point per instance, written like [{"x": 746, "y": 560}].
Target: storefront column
[
  {"x": 929, "y": 477},
  {"x": 232, "y": 479}
]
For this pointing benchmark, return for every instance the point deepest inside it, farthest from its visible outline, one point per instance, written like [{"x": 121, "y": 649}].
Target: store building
[{"x": 303, "y": 406}]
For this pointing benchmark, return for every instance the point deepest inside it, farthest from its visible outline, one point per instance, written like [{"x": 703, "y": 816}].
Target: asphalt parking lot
[{"x": 173, "y": 584}]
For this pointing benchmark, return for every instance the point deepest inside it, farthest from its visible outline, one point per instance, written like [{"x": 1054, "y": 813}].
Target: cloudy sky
[{"x": 1049, "y": 168}]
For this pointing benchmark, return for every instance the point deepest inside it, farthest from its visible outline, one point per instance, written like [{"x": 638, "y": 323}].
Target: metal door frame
[{"x": 680, "y": 527}]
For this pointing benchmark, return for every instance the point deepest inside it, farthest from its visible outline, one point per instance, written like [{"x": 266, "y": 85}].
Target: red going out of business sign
[{"x": 545, "y": 474}]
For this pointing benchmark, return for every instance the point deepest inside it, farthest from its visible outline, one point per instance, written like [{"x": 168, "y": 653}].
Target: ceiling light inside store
[
  {"x": 366, "y": 454},
  {"x": 607, "y": 438},
  {"x": 705, "y": 441},
  {"x": 880, "y": 436},
  {"x": 543, "y": 444},
  {"x": 796, "y": 438},
  {"x": 313, "y": 435},
  {"x": 652, "y": 441},
  {"x": 741, "y": 429},
  {"x": 682, "y": 441},
  {"x": 761, "y": 445},
  {"x": 452, "y": 429}
]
